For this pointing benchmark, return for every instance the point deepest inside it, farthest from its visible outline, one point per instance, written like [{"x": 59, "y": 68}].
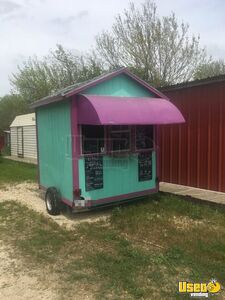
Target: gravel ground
[
  {"x": 19, "y": 283},
  {"x": 30, "y": 195}
]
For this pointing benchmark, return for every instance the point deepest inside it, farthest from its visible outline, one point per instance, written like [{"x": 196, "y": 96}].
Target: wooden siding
[
  {"x": 13, "y": 140},
  {"x": 29, "y": 142}
]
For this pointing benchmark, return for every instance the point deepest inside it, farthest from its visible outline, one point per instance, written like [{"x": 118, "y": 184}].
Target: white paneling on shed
[{"x": 23, "y": 136}]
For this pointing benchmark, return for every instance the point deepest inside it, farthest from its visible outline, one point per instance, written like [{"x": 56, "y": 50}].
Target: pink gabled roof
[{"x": 80, "y": 87}]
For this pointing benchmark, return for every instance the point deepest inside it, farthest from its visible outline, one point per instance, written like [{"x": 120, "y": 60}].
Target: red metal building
[
  {"x": 2, "y": 142},
  {"x": 193, "y": 153}
]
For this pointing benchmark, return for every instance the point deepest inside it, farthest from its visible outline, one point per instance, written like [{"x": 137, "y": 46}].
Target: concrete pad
[{"x": 205, "y": 195}]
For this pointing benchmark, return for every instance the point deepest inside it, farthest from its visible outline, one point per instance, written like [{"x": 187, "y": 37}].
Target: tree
[
  {"x": 159, "y": 50},
  {"x": 213, "y": 68},
  {"x": 38, "y": 78},
  {"x": 32, "y": 80},
  {"x": 10, "y": 107}
]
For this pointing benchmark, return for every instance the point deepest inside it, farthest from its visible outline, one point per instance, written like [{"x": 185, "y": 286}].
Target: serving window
[
  {"x": 93, "y": 139},
  {"x": 144, "y": 137},
  {"x": 120, "y": 138},
  {"x": 99, "y": 139}
]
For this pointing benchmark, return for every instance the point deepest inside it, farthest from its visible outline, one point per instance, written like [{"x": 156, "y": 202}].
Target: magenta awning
[{"x": 110, "y": 110}]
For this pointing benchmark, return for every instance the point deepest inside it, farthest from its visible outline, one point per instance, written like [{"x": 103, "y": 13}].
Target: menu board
[
  {"x": 145, "y": 166},
  {"x": 93, "y": 172}
]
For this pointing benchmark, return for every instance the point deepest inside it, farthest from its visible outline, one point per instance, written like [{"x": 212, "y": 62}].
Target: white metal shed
[{"x": 23, "y": 136}]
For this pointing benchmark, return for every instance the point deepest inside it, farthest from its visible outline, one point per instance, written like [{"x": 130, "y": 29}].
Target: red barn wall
[
  {"x": 193, "y": 153},
  {"x": 2, "y": 143}
]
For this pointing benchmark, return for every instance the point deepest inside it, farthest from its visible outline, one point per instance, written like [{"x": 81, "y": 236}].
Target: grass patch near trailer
[
  {"x": 15, "y": 172},
  {"x": 141, "y": 252}
]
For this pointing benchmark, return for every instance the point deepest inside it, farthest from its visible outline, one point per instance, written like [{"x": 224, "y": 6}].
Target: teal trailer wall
[
  {"x": 122, "y": 86},
  {"x": 120, "y": 174},
  {"x": 54, "y": 147}
]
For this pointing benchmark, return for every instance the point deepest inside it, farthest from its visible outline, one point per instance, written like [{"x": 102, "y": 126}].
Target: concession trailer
[{"x": 97, "y": 141}]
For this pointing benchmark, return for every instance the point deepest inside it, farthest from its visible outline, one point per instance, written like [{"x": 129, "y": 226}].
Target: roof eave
[
  {"x": 46, "y": 101},
  {"x": 95, "y": 82},
  {"x": 121, "y": 71},
  {"x": 53, "y": 99},
  {"x": 194, "y": 83},
  {"x": 146, "y": 85}
]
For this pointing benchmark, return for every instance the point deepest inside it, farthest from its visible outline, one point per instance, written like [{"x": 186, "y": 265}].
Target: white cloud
[{"x": 7, "y": 7}]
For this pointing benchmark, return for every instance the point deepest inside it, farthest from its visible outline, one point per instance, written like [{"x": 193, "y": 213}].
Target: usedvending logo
[{"x": 196, "y": 289}]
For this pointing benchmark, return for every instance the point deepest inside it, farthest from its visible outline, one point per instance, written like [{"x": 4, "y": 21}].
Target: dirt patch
[
  {"x": 19, "y": 283},
  {"x": 30, "y": 195},
  {"x": 184, "y": 222}
]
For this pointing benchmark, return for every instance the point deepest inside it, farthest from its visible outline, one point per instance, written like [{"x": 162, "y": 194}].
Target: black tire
[{"x": 53, "y": 201}]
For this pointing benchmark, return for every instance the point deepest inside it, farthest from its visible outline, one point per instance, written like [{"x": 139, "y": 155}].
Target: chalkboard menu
[
  {"x": 144, "y": 166},
  {"x": 93, "y": 172}
]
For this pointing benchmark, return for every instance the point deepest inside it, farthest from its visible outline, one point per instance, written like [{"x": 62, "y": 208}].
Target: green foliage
[
  {"x": 11, "y": 106},
  {"x": 213, "y": 68},
  {"x": 38, "y": 78},
  {"x": 158, "y": 49}
]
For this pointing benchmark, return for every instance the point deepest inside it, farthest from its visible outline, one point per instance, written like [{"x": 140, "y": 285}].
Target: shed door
[{"x": 20, "y": 141}]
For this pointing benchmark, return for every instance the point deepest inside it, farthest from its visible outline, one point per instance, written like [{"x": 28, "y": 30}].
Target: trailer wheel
[{"x": 53, "y": 201}]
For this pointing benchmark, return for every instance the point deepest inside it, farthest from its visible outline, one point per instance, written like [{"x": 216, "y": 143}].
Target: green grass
[
  {"x": 12, "y": 171},
  {"x": 141, "y": 252},
  {"x": 5, "y": 151}
]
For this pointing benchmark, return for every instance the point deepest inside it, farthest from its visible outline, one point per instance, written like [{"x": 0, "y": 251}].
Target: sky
[{"x": 33, "y": 27}]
